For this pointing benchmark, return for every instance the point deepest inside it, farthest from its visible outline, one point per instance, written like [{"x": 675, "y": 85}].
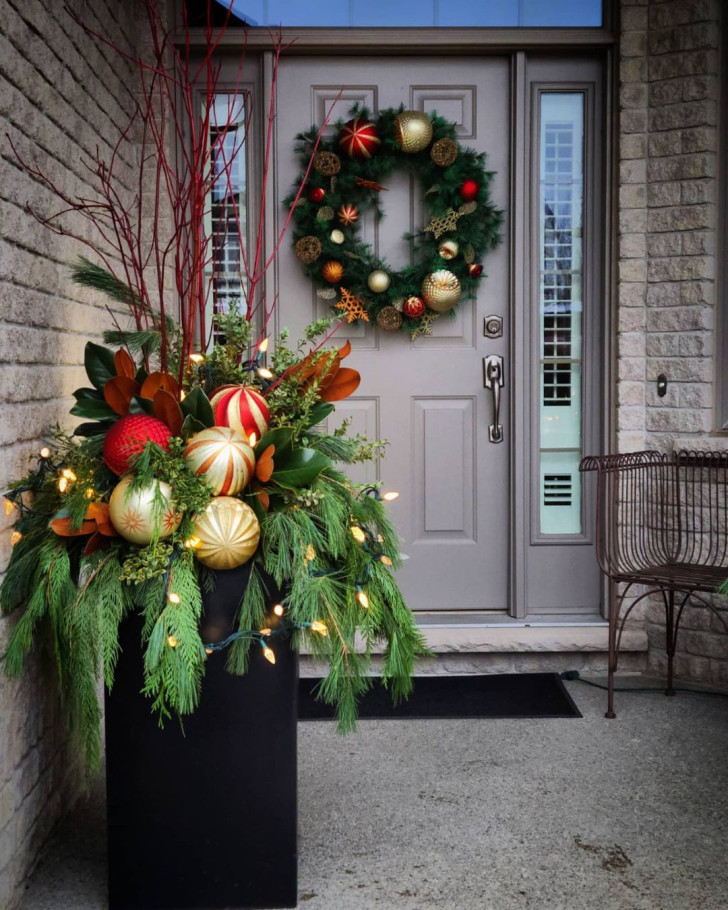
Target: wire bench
[{"x": 661, "y": 523}]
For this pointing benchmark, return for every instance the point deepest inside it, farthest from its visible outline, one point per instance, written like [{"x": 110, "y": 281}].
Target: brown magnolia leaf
[
  {"x": 344, "y": 384},
  {"x": 167, "y": 409},
  {"x": 123, "y": 364},
  {"x": 345, "y": 350},
  {"x": 62, "y": 527},
  {"x": 99, "y": 512},
  {"x": 118, "y": 393},
  {"x": 263, "y": 498},
  {"x": 156, "y": 381},
  {"x": 264, "y": 465},
  {"x": 95, "y": 542}
]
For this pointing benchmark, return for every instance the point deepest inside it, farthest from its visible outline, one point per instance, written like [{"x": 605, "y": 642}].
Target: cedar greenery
[{"x": 477, "y": 231}]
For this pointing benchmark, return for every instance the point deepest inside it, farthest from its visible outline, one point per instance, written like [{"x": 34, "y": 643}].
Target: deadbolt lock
[{"x": 493, "y": 326}]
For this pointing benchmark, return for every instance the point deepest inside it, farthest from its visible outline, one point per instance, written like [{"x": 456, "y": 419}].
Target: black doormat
[{"x": 495, "y": 695}]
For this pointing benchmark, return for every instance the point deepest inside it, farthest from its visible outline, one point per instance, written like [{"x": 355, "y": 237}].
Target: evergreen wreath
[{"x": 345, "y": 179}]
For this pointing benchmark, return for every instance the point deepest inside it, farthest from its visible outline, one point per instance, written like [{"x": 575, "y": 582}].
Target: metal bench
[{"x": 661, "y": 524}]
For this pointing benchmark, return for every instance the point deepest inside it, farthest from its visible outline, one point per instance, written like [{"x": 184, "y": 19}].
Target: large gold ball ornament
[
  {"x": 412, "y": 131},
  {"x": 441, "y": 290},
  {"x": 332, "y": 271},
  {"x": 228, "y": 532},
  {"x": 223, "y": 457},
  {"x": 378, "y": 281},
  {"x": 138, "y": 514}
]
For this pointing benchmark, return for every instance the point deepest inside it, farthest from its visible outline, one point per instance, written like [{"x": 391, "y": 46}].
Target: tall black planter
[{"x": 205, "y": 817}]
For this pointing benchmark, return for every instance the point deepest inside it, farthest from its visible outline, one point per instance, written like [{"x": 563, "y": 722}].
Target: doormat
[{"x": 493, "y": 695}]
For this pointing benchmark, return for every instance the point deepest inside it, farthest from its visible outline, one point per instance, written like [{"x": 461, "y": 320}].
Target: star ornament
[
  {"x": 441, "y": 224},
  {"x": 352, "y": 306},
  {"x": 424, "y": 326}
]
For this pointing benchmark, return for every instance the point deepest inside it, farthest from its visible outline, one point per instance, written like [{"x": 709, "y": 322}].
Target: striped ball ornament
[
  {"x": 228, "y": 532},
  {"x": 223, "y": 457},
  {"x": 241, "y": 408}
]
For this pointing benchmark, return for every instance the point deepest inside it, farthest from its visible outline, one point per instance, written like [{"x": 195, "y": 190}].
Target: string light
[
  {"x": 266, "y": 632},
  {"x": 358, "y": 533},
  {"x": 279, "y": 610},
  {"x": 8, "y": 506},
  {"x": 390, "y": 496},
  {"x": 319, "y": 627},
  {"x": 90, "y": 493},
  {"x": 62, "y": 484},
  {"x": 265, "y": 373},
  {"x": 172, "y": 641},
  {"x": 268, "y": 653},
  {"x": 45, "y": 452},
  {"x": 197, "y": 358},
  {"x": 362, "y": 597},
  {"x": 263, "y": 346},
  {"x": 192, "y": 543},
  {"x": 385, "y": 560},
  {"x": 173, "y": 597},
  {"x": 310, "y": 554},
  {"x": 68, "y": 474},
  {"x": 15, "y": 537}
]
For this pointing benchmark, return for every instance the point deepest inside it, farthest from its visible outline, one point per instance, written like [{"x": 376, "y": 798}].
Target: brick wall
[
  {"x": 61, "y": 96},
  {"x": 668, "y": 136}
]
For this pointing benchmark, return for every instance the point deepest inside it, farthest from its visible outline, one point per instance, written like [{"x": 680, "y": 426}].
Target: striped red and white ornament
[
  {"x": 359, "y": 138},
  {"x": 223, "y": 457},
  {"x": 242, "y": 408}
]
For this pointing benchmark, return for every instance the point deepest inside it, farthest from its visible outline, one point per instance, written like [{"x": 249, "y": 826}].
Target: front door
[{"x": 467, "y": 504}]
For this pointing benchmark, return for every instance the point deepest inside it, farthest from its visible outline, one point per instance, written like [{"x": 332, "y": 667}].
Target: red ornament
[
  {"x": 128, "y": 437},
  {"x": 317, "y": 194},
  {"x": 358, "y": 138},
  {"x": 413, "y": 307},
  {"x": 475, "y": 269},
  {"x": 242, "y": 408},
  {"x": 348, "y": 214},
  {"x": 469, "y": 190}
]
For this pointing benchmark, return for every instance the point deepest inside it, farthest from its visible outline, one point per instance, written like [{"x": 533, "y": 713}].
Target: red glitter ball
[
  {"x": 469, "y": 190},
  {"x": 128, "y": 437},
  {"x": 413, "y": 307},
  {"x": 317, "y": 194}
]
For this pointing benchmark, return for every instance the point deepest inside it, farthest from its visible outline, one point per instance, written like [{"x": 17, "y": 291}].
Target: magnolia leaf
[
  {"x": 97, "y": 428},
  {"x": 64, "y": 528},
  {"x": 93, "y": 394},
  {"x": 343, "y": 384},
  {"x": 168, "y": 411},
  {"x": 141, "y": 405},
  {"x": 264, "y": 465},
  {"x": 124, "y": 364},
  {"x": 300, "y": 469},
  {"x": 281, "y": 438},
  {"x": 96, "y": 542},
  {"x": 156, "y": 381},
  {"x": 345, "y": 350},
  {"x": 99, "y": 512},
  {"x": 318, "y": 413},
  {"x": 196, "y": 404},
  {"x": 118, "y": 393},
  {"x": 99, "y": 363},
  {"x": 190, "y": 426},
  {"x": 93, "y": 410}
]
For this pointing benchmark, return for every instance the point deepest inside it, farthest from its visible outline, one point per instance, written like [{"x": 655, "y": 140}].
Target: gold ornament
[
  {"x": 378, "y": 281},
  {"x": 389, "y": 319},
  {"x": 223, "y": 457},
  {"x": 352, "y": 306},
  {"x": 444, "y": 152},
  {"x": 424, "y": 326},
  {"x": 443, "y": 224},
  {"x": 228, "y": 532},
  {"x": 327, "y": 163},
  {"x": 467, "y": 208},
  {"x": 448, "y": 249},
  {"x": 326, "y": 293},
  {"x": 348, "y": 214},
  {"x": 332, "y": 271},
  {"x": 308, "y": 249},
  {"x": 337, "y": 236},
  {"x": 138, "y": 514},
  {"x": 441, "y": 290},
  {"x": 412, "y": 131}
]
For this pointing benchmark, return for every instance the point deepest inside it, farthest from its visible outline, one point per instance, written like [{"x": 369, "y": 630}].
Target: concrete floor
[{"x": 570, "y": 814}]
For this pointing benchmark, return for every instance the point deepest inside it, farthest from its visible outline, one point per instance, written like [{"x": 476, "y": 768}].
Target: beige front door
[{"x": 425, "y": 397}]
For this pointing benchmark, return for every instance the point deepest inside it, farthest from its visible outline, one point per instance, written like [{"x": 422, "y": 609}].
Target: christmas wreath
[{"x": 346, "y": 180}]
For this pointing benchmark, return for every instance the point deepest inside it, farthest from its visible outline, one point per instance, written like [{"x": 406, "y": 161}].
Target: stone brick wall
[
  {"x": 669, "y": 77},
  {"x": 61, "y": 96}
]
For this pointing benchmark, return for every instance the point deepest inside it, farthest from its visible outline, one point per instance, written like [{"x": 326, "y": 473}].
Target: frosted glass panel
[
  {"x": 561, "y": 211},
  {"x": 430, "y": 13}
]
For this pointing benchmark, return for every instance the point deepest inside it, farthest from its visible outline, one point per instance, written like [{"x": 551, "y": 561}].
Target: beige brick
[
  {"x": 631, "y": 295},
  {"x": 632, "y": 246},
  {"x": 681, "y": 218},
  {"x": 681, "y": 167},
  {"x": 688, "y": 63},
  {"x": 663, "y": 344},
  {"x": 633, "y": 18},
  {"x": 664, "y": 244},
  {"x": 664, "y": 294},
  {"x": 633, "y": 145},
  {"x": 680, "y": 268},
  {"x": 632, "y": 196},
  {"x": 680, "y": 12},
  {"x": 662, "y": 194},
  {"x": 688, "y": 37},
  {"x": 632, "y": 221}
]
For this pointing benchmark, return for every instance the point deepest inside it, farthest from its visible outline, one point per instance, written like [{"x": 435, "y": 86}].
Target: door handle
[{"x": 493, "y": 380}]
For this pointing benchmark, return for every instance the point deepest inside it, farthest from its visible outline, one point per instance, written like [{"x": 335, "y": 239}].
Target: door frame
[{"x": 515, "y": 43}]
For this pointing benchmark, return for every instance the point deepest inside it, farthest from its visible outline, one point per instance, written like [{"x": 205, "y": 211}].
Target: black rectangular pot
[{"x": 204, "y": 817}]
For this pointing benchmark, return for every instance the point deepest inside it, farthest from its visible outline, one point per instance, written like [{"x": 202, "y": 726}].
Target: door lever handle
[{"x": 493, "y": 380}]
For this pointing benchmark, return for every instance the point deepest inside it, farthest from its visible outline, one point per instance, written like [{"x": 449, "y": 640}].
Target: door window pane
[
  {"x": 561, "y": 205},
  {"x": 420, "y": 13}
]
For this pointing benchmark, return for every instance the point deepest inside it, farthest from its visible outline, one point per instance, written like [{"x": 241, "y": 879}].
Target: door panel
[{"x": 426, "y": 397}]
